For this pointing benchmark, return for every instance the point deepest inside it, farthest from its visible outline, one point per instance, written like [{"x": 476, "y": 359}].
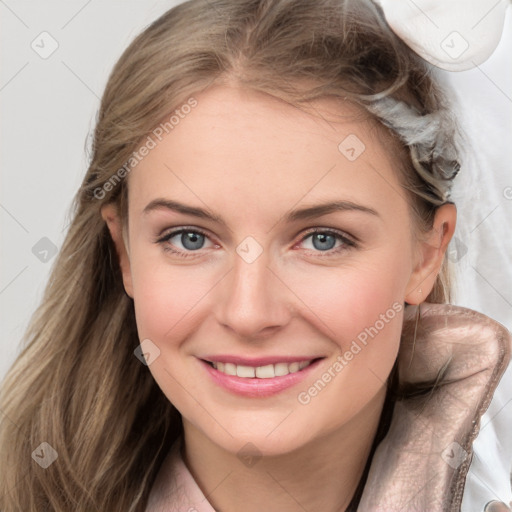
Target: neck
[{"x": 320, "y": 475}]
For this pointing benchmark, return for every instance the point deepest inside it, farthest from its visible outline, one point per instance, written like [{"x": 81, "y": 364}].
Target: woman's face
[{"x": 249, "y": 178}]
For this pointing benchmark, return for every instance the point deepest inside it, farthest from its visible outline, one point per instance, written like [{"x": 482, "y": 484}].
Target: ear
[
  {"x": 111, "y": 217},
  {"x": 431, "y": 253}
]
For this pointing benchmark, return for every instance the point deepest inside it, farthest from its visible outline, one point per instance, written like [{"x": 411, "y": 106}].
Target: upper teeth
[{"x": 262, "y": 372}]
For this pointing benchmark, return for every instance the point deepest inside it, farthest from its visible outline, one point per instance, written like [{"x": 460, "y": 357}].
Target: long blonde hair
[{"x": 77, "y": 385}]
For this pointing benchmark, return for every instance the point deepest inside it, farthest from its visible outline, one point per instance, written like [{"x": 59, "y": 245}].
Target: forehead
[{"x": 239, "y": 143}]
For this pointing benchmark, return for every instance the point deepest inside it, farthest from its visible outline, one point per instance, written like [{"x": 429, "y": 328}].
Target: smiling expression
[{"x": 252, "y": 233}]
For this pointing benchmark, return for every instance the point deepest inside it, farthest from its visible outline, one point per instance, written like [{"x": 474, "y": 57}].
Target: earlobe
[
  {"x": 111, "y": 217},
  {"x": 431, "y": 254}
]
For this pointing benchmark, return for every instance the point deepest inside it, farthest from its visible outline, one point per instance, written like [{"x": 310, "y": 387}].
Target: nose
[{"x": 253, "y": 301}]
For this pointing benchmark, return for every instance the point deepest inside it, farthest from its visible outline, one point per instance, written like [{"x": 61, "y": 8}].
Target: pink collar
[{"x": 175, "y": 489}]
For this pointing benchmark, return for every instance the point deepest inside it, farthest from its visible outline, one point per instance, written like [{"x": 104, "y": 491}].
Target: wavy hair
[{"x": 76, "y": 384}]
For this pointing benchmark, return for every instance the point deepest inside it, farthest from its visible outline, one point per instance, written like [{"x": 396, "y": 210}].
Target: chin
[{"x": 259, "y": 442}]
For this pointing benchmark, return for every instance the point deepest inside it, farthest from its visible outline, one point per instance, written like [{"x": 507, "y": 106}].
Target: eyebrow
[{"x": 293, "y": 216}]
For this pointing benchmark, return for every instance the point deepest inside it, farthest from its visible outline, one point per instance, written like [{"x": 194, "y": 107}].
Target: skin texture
[{"x": 251, "y": 159}]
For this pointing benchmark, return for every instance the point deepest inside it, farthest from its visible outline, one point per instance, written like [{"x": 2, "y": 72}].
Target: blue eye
[
  {"x": 325, "y": 241},
  {"x": 192, "y": 241}
]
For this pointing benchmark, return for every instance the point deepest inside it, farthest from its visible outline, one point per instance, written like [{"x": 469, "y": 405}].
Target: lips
[{"x": 244, "y": 380}]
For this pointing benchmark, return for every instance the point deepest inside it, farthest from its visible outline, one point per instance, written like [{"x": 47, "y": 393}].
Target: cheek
[
  {"x": 167, "y": 297},
  {"x": 344, "y": 300},
  {"x": 169, "y": 305},
  {"x": 360, "y": 309},
  {"x": 361, "y": 312}
]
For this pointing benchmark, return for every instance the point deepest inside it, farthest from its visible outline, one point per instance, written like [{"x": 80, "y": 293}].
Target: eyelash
[{"x": 348, "y": 243}]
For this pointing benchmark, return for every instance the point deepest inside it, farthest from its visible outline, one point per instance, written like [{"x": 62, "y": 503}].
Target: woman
[{"x": 235, "y": 310}]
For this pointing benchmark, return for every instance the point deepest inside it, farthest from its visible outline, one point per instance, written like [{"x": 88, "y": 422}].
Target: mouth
[
  {"x": 259, "y": 381},
  {"x": 267, "y": 371}
]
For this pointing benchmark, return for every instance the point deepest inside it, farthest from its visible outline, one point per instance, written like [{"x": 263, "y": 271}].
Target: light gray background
[{"x": 48, "y": 108}]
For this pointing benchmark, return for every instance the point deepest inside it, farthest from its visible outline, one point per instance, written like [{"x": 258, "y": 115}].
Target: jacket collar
[{"x": 423, "y": 461}]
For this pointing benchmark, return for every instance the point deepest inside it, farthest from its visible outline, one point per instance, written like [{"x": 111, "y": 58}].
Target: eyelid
[
  {"x": 342, "y": 234},
  {"x": 169, "y": 233}
]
